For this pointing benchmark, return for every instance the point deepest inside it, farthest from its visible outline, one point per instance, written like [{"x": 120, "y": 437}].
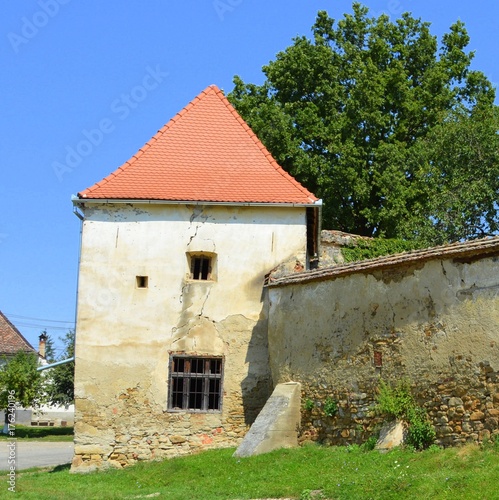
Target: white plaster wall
[
  {"x": 429, "y": 313},
  {"x": 124, "y": 334}
]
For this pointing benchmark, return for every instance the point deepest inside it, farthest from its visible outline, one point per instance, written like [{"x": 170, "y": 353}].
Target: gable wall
[
  {"x": 434, "y": 323},
  {"x": 125, "y": 334}
]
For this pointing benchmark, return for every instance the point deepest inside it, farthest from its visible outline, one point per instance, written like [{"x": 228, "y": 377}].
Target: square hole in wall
[{"x": 142, "y": 281}]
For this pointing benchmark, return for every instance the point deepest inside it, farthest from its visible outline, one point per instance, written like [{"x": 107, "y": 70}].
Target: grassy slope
[{"x": 341, "y": 473}]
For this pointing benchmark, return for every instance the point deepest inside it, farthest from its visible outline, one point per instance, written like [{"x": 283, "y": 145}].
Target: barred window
[
  {"x": 195, "y": 383},
  {"x": 202, "y": 266}
]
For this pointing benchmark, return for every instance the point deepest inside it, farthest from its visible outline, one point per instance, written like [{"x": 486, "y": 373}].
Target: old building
[
  {"x": 171, "y": 343},
  {"x": 196, "y": 299}
]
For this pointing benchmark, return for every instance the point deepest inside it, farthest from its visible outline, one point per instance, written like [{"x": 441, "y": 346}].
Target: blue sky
[{"x": 110, "y": 74}]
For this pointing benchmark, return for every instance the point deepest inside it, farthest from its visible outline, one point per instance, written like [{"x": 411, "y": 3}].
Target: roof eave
[{"x": 78, "y": 201}]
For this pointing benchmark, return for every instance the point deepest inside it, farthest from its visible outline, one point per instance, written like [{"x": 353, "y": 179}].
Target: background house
[
  {"x": 11, "y": 340},
  {"x": 171, "y": 339}
]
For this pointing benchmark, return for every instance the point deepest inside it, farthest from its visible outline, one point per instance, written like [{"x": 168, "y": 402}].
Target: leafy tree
[
  {"x": 459, "y": 163},
  {"x": 20, "y": 382},
  {"x": 60, "y": 385},
  {"x": 384, "y": 124},
  {"x": 49, "y": 347}
]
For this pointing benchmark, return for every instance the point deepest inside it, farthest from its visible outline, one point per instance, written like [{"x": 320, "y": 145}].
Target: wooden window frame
[
  {"x": 195, "y": 383},
  {"x": 201, "y": 266}
]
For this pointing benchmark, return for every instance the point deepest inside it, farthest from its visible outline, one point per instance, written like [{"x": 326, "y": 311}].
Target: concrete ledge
[{"x": 277, "y": 424}]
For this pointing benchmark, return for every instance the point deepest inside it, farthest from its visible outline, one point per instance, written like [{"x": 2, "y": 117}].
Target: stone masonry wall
[
  {"x": 461, "y": 408},
  {"x": 434, "y": 323},
  {"x": 126, "y": 420},
  {"x": 136, "y": 431}
]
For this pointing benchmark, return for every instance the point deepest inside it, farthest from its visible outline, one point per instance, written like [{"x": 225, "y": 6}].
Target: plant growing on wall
[
  {"x": 330, "y": 407},
  {"x": 377, "y": 247},
  {"x": 308, "y": 404},
  {"x": 398, "y": 402}
]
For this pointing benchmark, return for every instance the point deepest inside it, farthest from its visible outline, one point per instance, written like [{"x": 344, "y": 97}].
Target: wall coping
[{"x": 474, "y": 249}]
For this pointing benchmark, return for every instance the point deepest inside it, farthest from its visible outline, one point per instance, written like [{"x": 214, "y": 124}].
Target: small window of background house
[{"x": 202, "y": 266}]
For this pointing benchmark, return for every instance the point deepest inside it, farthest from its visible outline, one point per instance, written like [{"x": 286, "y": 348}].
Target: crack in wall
[
  {"x": 194, "y": 235},
  {"x": 183, "y": 291},
  {"x": 204, "y": 302}
]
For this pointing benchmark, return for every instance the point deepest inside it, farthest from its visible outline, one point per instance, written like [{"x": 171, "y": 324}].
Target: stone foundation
[
  {"x": 462, "y": 408},
  {"x": 130, "y": 429}
]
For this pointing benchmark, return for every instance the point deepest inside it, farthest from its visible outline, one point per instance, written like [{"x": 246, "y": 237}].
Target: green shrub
[
  {"x": 395, "y": 401},
  {"x": 398, "y": 402},
  {"x": 376, "y": 247},
  {"x": 330, "y": 407},
  {"x": 370, "y": 443},
  {"x": 421, "y": 433}
]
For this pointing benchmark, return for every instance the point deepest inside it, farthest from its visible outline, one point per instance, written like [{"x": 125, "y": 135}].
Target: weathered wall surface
[
  {"x": 125, "y": 334},
  {"x": 435, "y": 323}
]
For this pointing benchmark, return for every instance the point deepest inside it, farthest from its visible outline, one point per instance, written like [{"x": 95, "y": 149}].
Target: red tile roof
[
  {"x": 205, "y": 153},
  {"x": 11, "y": 340}
]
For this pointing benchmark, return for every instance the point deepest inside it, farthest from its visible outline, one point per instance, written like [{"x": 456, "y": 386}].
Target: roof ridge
[{"x": 422, "y": 254}]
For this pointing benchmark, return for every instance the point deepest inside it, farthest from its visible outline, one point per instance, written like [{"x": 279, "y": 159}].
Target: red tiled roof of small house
[{"x": 11, "y": 339}]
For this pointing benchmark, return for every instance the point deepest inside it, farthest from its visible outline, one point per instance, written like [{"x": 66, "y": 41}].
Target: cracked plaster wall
[
  {"x": 435, "y": 323},
  {"x": 125, "y": 334}
]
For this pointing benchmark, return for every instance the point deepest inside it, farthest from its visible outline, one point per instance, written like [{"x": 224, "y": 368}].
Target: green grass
[
  {"x": 41, "y": 433},
  {"x": 340, "y": 473}
]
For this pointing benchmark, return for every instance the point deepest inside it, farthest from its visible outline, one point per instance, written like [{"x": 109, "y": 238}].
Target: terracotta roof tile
[
  {"x": 11, "y": 340},
  {"x": 204, "y": 153}
]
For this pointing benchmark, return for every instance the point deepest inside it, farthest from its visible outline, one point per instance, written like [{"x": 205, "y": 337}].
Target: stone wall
[
  {"x": 473, "y": 417},
  {"x": 432, "y": 318},
  {"x": 138, "y": 431}
]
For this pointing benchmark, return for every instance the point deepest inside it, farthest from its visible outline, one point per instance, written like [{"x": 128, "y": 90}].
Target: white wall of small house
[{"x": 125, "y": 334}]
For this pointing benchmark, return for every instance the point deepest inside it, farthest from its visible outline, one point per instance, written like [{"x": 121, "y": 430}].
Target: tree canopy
[
  {"x": 393, "y": 130},
  {"x": 60, "y": 379},
  {"x": 20, "y": 380}
]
